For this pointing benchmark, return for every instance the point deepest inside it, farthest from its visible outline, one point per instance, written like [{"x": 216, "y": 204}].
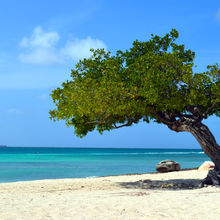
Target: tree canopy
[{"x": 152, "y": 81}]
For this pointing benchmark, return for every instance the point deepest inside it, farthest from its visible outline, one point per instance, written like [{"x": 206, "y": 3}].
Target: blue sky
[{"x": 41, "y": 41}]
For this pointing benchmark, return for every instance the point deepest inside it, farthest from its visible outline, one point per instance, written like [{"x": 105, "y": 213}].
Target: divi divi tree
[{"x": 151, "y": 81}]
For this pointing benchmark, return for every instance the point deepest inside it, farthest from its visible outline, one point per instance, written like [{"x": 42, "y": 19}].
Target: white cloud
[
  {"x": 42, "y": 56},
  {"x": 217, "y": 16},
  {"x": 80, "y": 48},
  {"x": 40, "y": 39},
  {"x": 41, "y": 48}
]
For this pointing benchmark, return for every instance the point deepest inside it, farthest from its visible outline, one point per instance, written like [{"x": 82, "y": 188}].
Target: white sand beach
[{"x": 115, "y": 197}]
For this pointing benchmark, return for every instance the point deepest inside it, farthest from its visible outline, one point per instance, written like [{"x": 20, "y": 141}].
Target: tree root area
[{"x": 213, "y": 178}]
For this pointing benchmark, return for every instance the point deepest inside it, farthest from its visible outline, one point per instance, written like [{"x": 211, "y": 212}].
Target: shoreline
[{"x": 128, "y": 174}]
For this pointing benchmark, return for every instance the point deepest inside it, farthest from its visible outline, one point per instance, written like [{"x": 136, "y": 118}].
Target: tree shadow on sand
[{"x": 174, "y": 184}]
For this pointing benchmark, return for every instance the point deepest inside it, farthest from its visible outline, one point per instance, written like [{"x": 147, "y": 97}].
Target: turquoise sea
[{"x": 23, "y": 163}]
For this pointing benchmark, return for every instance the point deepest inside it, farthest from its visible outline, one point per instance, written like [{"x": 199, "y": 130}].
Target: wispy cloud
[
  {"x": 15, "y": 111},
  {"x": 217, "y": 16},
  {"x": 39, "y": 38},
  {"x": 80, "y": 48},
  {"x": 42, "y": 48},
  {"x": 43, "y": 97}
]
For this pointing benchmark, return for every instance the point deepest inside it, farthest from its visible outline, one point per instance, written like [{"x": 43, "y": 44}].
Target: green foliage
[{"x": 153, "y": 76}]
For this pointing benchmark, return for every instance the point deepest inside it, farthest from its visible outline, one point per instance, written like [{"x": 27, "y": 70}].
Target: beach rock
[
  {"x": 167, "y": 166},
  {"x": 207, "y": 165}
]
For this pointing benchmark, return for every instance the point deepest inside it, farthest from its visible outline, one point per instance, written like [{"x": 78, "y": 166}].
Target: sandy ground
[{"x": 115, "y": 197}]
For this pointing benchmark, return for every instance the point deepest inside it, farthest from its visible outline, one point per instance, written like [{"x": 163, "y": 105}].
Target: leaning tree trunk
[
  {"x": 210, "y": 147},
  {"x": 207, "y": 142}
]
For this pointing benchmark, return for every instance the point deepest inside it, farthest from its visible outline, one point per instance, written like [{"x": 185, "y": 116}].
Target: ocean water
[{"x": 22, "y": 164}]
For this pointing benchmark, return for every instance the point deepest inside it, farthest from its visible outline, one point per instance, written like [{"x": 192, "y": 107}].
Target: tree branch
[
  {"x": 208, "y": 110},
  {"x": 124, "y": 125},
  {"x": 129, "y": 123},
  {"x": 176, "y": 121},
  {"x": 196, "y": 112},
  {"x": 95, "y": 122},
  {"x": 164, "y": 118},
  {"x": 104, "y": 121}
]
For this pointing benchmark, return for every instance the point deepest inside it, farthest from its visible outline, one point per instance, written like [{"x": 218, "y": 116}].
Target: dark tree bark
[
  {"x": 205, "y": 138},
  {"x": 207, "y": 142},
  {"x": 210, "y": 147}
]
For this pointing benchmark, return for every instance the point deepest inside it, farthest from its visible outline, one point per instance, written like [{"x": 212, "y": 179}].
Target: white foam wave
[{"x": 144, "y": 153}]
